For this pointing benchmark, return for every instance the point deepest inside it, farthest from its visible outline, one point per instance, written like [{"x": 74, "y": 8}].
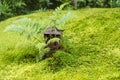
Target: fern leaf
[
  {"x": 42, "y": 51},
  {"x": 26, "y": 26},
  {"x": 41, "y": 45},
  {"x": 61, "y": 7},
  {"x": 15, "y": 29},
  {"x": 56, "y": 13},
  {"x": 65, "y": 18},
  {"x": 23, "y": 21},
  {"x": 53, "y": 40}
]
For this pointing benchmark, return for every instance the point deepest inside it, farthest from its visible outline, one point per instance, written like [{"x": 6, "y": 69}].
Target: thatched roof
[{"x": 53, "y": 30}]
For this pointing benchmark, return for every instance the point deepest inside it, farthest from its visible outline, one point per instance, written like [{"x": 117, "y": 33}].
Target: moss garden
[{"x": 90, "y": 42}]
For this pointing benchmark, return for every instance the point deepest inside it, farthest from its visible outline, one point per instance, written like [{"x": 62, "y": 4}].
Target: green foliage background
[
  {"x": 10, "y": 8},
  {"x": 91, "y": 49}
]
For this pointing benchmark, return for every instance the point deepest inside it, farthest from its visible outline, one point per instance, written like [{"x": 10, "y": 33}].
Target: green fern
[
  {"x": 26, "y": 26},
  {"x": 42, "y": 51},
  {"x": 58, "y": 9},
  {"x": 65, "y": 18},
  {"x": 4, "y": 7},
  {"x": 53, "y": 40},
  {"x": 31, "y": 28},
  {"x": 55, "y": 19},
  {"x": 15, "y": 28}
]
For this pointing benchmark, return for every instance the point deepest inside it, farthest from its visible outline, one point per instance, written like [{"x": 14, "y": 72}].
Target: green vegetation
[
  {"x": 53, "y": 40},
  {"x": 33, "y": 29},
  {"x": 91, "y": 49},
  {"x": 9, "y": 8}
]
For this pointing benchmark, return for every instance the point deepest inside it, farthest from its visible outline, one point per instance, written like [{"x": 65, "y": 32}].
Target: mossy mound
[{"x": 90, "y": 49}]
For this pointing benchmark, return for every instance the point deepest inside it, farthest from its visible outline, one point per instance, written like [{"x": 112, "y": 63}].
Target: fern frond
[
  {"x": 42, "y": 51},
  {"x": 26, "y": 26},
  {"x": 65, "y": 18},
  {"x": 53, "y": 40},
  {"x": 15, "y": 29},
  {"x": 56, "y": 14},
  {"x": 41, "y": 47},
  {"x": 61, "y": 7},
  {"x": 31, "y": 25},
  {"x": 23, "y": 21},
  {"x": 19, "y": 29}
]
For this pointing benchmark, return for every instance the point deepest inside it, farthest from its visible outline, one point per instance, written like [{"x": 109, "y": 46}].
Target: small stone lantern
[{"x": 52, "y": 32}]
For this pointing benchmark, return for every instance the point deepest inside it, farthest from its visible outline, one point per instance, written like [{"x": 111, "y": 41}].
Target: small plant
[
  {"x": 32, "y": 28},
  {"x": 56, "y": 20},
  {"x": 26, "y": 26},
  {"x": 53, "y": 40},
  {"x": 42, "y": 51}
]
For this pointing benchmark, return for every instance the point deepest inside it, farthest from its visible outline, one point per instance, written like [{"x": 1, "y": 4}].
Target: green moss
[{"x": 91, "y": 49}]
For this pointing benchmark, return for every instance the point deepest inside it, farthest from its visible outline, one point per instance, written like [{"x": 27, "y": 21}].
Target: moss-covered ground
[{"x": 91, "y": 51}]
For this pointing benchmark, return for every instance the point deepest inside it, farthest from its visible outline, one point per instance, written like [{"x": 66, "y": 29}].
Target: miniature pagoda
[{"x": 52, "y": 32}]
